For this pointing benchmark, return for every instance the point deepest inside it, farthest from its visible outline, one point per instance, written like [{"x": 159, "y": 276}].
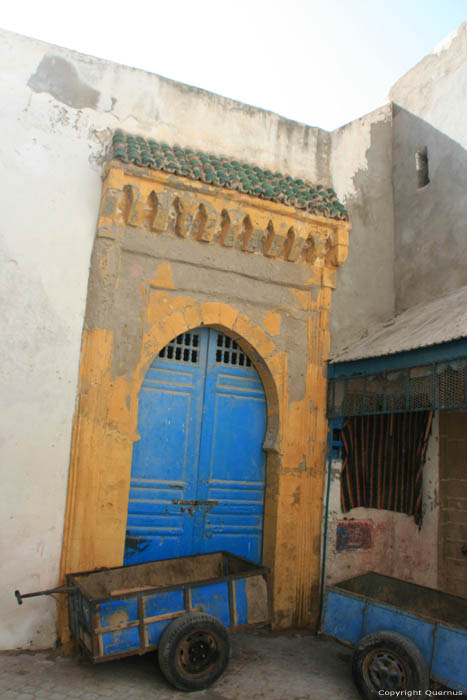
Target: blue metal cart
[
  {"x": 182, "y": 607},
  {"x": 403, "y": 634}
]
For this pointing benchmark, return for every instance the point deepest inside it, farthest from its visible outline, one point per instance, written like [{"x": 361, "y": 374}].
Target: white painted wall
[
  {"x": 51, "y": 154},
  {"x": 436, "y": 88},
  {"x": 50, "y": 197}
]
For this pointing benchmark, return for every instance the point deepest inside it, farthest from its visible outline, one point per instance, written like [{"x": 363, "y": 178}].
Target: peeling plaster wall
[
  {"x": 397, "y": 548},
  {"x": 361, "y": 169},
  {"x": 50, "y": 193},
  {"x": 58, "y": 111}
]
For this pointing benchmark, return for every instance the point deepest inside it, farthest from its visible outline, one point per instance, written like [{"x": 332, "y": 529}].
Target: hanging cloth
[{"x": 383, "y": 458}]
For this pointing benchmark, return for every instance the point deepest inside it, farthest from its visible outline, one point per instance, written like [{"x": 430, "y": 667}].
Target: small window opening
[{"x": 421, "y": 166}]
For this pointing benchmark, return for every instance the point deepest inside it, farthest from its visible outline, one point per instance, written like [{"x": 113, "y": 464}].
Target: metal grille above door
[
  {"x": 229, "y": 353},
  {"x": 183, "y": 348},
  {"x": 197, "y": 480}
]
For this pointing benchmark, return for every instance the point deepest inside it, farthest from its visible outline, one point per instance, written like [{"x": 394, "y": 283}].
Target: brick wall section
[{"x": 452, "y": 576}]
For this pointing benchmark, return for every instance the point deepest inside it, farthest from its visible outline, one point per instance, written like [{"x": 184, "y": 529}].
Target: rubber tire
[
  {"x": 170, "y": 651},
  {"x": 402, "y": 650}
]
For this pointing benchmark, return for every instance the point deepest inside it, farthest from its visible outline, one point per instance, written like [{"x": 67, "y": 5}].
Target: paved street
[{"x": 263, "y": 666}]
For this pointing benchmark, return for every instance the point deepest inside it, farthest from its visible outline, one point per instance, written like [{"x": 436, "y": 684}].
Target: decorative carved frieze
[{"x": 159, "y": 203}]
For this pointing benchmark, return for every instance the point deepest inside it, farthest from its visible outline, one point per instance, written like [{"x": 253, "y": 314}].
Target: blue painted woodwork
[
  {"x": 444, "y": 352},
  {"x": 164, "y": 603},
  {"x": 350, "y": 616},
  {"x": 241, "y": 604},
  {"x": 197, "y": 478},
  {"x": 121, "y": 641},
  {"x": 160, "y": 605},
  {"x": 109, "y": 622},
  {"x": 344, "y": 617},
  {"x": 450, "y": 658},
  {"x": 214, "y": 600},
  {"x": 383, "y": 617}
]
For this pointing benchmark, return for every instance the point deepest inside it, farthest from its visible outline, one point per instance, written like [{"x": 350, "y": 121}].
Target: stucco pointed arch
[{"x": 251, "y": 338}]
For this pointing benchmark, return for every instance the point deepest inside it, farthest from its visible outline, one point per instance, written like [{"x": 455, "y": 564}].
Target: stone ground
[{"x": 263, "y": 666}]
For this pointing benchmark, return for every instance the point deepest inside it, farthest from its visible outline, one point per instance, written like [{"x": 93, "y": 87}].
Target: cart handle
[{"x": 50, "y": 591}]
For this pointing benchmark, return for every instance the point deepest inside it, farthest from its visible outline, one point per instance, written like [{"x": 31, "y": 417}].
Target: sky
[{"x": 322, "y": 62}]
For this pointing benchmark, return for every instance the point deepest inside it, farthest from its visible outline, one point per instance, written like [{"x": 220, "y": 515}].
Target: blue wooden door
[{"x": 197, "y": 477}]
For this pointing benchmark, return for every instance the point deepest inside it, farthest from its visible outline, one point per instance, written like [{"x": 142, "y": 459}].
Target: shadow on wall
[
  {"x": 363, "y": 297},
  {"x": 429, "y": 173}
]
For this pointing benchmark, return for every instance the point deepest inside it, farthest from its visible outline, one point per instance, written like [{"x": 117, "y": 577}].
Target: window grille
[
  {"x": 229, "y": 353},
  {"x": 419, "y": 388},
  {"x": 395, "y": 391},
  {"x": 183, "y": 348},
  {"x": 451, "y": 383}
]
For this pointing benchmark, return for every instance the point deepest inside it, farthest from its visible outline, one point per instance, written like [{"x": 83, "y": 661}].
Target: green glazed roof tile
[{"x": 231, "y": 174}]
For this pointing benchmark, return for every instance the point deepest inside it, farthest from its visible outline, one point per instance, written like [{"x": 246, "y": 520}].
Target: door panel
[
  {"x": 231, "y": 473},
  {"x": 197, "y": 480},
  {"x": 165, "y": 459}
]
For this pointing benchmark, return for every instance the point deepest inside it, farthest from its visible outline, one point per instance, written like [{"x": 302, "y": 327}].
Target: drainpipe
[
  {"x": 334, "y": 424},
  {"x": 326, "y": 514}
]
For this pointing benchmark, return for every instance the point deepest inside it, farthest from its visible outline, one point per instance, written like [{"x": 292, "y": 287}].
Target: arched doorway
[{"x": 198, "y": 470}]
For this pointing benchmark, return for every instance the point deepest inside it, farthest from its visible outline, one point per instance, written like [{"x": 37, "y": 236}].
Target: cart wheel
[
  {"x": 388, "y": 661},
  {"x": 194, "y": 651}
]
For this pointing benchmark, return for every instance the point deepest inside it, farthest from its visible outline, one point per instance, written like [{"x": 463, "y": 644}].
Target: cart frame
[{"x": 432, "y": 620}]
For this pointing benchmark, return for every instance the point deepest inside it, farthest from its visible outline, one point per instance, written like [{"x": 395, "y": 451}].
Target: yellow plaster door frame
[{"x": 156, "y": 273}]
